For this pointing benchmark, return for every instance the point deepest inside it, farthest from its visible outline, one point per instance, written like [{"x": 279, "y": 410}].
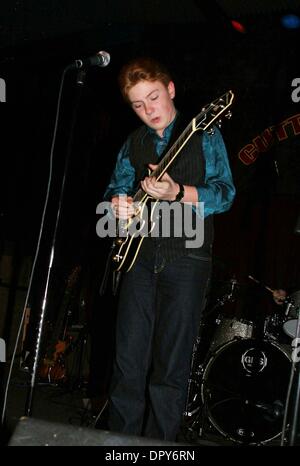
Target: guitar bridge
[{"x": 117, "y": 258}]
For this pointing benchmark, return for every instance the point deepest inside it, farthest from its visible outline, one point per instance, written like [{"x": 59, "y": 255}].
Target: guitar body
[
  {"x": 125, "y": 252},
  {"x": 128, "y": 244},
  {"x": 126, "y": 249}
]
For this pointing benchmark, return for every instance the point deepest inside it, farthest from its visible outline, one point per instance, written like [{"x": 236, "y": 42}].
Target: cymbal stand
[
  {"x": 292, "y": 408},
  {"x": 228, "y": 297},
  {"x": 193, "y": 416}
]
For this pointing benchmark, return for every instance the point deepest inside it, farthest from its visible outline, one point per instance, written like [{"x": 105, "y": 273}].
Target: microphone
[{"x": 101, "y": 59}]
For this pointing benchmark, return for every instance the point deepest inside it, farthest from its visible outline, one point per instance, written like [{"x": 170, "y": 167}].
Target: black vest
[{"x": 188, "y": 168}]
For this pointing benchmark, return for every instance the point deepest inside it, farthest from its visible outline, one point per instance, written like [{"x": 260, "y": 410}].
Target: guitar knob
[{"x": 119, "y": 241}]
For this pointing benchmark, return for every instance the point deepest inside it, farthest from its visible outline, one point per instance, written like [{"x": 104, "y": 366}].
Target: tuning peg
[
  {"x": 228, "y": 114},
  {"x": 219, "y": 123},
  {"x": 211, "y": 131}
]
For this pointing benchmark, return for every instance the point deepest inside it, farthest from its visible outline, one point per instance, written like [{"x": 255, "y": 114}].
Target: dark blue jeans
[{"x": 157, "y": 324}]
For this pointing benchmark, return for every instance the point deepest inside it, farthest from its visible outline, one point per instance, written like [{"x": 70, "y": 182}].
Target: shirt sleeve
[
  {"x": 218, "y": 191},
  {"x": 123, "y": 177}
]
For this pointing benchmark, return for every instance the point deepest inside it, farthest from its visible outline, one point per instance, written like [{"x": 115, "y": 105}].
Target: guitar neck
[
  {"x": 168, "y": 159},
  {"x": 173, "y": 152}
]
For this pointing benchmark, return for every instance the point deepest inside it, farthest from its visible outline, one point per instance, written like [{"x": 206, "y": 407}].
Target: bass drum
[{"x": 244, "y": 389}]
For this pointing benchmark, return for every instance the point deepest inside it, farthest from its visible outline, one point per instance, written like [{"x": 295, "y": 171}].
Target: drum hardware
[
  {"x": 273, "y": 326},
  {"x": 233, "y": 284},
  {"x": 194, "y": 381},
  {"x": 288, "y": 307},
  {"x": 220, "y": 302},
  {"x": 194, "y": 416},
  {"x": 230, "y": 296},
  {"x": 292, "y": 410},
  {"x": 290, "y": 431}
]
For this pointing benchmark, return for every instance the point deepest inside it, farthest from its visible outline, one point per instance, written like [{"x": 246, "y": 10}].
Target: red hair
[{"x": 142, "y": 69}]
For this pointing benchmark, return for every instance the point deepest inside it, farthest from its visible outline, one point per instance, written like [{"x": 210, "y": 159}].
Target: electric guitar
[
  {"x": 127, "y": 244},
  {"x": 52, "y": 367}
]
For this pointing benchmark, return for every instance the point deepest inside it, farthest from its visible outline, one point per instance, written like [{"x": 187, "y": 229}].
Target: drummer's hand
[{"x": 279, "y": 296}]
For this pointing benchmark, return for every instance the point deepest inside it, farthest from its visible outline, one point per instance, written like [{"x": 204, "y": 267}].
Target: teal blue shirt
[{"x": 217, "y": 192}]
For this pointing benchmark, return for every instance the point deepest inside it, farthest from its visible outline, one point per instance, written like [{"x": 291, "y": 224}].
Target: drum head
[
  {"x": 244, "y": 390},
  {"x": 290, "y": 327}
]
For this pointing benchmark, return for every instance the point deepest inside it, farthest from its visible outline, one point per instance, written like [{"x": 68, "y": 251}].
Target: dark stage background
[{"x": 207, "y": 57}]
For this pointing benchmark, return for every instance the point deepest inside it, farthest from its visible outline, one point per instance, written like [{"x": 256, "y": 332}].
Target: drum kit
[{"x": 240, "y": 372}]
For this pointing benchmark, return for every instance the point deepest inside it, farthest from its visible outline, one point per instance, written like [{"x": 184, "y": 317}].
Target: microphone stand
[{"x": 80, "y": 80}]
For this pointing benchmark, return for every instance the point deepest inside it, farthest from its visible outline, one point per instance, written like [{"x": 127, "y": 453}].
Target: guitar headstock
[{"x": 213, "y": 112}]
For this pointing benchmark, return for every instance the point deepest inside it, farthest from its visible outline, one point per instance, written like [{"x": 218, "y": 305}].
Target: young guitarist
[{"x": 162, "y": 295}]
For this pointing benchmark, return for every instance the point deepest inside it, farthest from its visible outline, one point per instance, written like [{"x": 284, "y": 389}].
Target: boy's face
[{"x": 153, "y": 103}]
